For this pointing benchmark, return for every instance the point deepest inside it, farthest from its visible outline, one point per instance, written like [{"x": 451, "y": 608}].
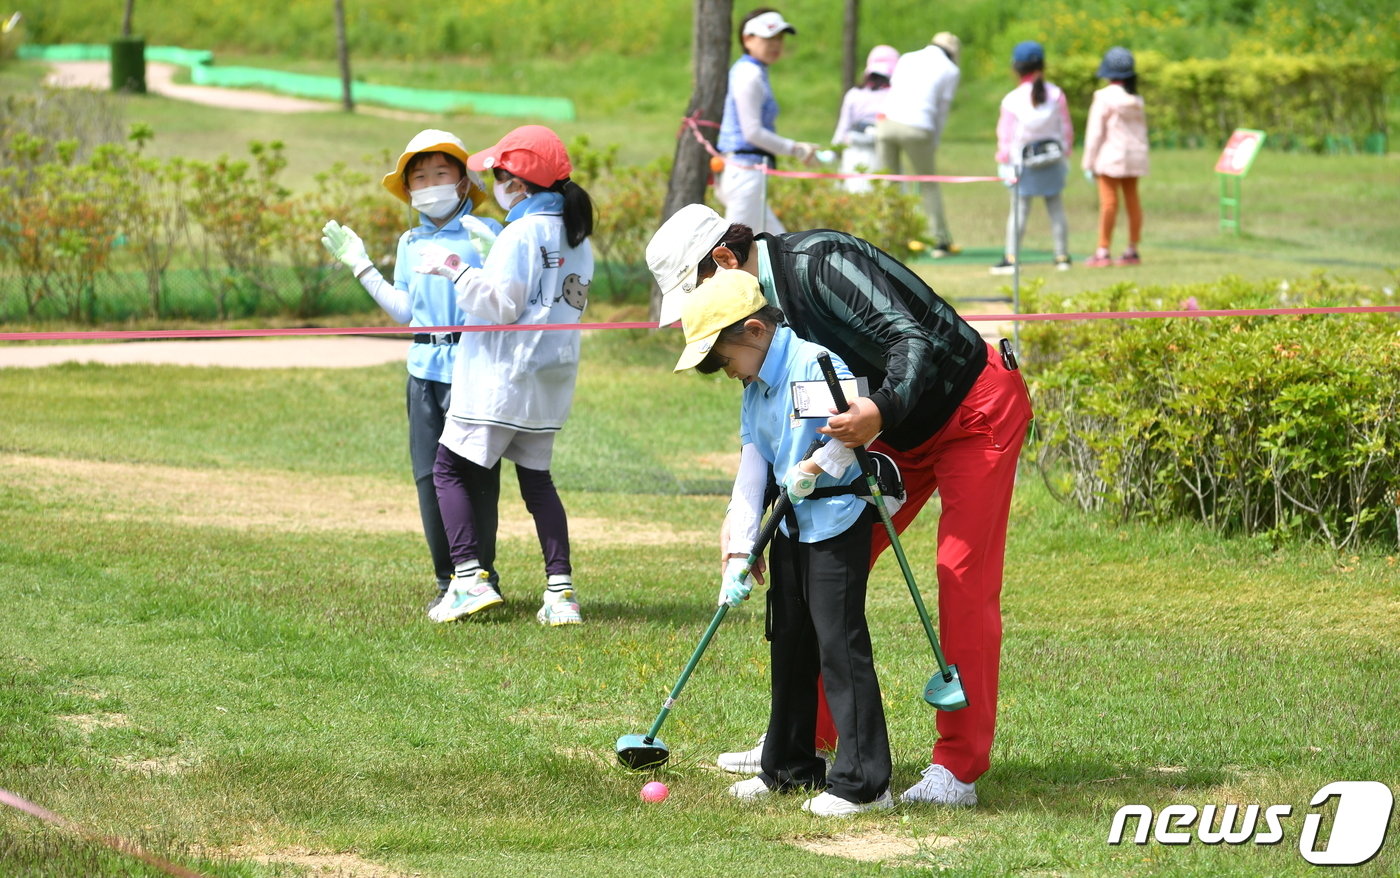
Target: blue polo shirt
[
  {"x": 434, "y": 298},
  {"x": 766, "y": 421}
]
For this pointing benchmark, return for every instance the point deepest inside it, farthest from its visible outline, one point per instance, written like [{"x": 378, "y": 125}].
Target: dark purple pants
[{"x": 463, "y": 486}]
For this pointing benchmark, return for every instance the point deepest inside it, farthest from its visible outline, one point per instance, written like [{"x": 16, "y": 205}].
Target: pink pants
[{"x": 971, "y": 462}]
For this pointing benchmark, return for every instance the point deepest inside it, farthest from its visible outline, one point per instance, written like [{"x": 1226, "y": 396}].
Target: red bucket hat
[{"x": 531, "y": 152}]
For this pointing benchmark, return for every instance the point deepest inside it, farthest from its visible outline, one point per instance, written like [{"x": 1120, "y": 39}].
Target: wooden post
[
  {"x": 691, "y": 169},
  {"x": 343, "y": 48},
  {"x": 850, "y": 45}
]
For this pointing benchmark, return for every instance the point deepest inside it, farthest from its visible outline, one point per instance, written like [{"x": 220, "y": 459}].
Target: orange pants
[
  {"x": 971, "y": 462},
  {"x": 1108, "y": 209}
]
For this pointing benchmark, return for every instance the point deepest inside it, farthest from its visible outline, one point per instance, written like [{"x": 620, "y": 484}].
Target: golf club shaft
[
  {"x": 838, "y": 398},
  {"x": 765, "y": 536},
  {"x": 685, "y": 674}
]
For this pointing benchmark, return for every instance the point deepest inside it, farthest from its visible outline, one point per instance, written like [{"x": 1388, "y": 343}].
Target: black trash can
[{"x": 129, "y": 65}]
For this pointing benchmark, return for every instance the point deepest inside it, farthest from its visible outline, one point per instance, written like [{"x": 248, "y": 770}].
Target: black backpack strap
[{"x": 887, "y": 475}]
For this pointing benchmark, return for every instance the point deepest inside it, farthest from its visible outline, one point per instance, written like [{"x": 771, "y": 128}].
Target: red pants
[{"x": 971, "y": 462}]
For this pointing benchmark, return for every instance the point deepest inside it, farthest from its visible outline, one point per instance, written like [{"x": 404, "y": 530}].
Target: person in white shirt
[
  {"x": 512, "y": 391},
  {"x": 747, "y": 134},
  {"x": 916, "y": 111}
]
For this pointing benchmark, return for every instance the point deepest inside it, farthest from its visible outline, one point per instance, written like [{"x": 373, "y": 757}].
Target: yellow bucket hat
[
  {"x": 728, "y": 297},
  {"x": 433, "y": 140}
]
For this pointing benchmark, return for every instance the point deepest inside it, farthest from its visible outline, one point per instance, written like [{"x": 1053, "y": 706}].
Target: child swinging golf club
[{"x": 817, "y": 561}]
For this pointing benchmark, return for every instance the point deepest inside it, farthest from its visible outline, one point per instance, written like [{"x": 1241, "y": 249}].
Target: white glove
[
  {"x": 805, "y": 152},
  {"x": 439, "y": 260},
  {"x": 346, "y": 246},
  {"x": 732, "y": 589},
  {"x": 799, "y": 483}
]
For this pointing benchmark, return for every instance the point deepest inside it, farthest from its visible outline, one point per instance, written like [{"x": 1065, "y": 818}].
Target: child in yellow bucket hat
[
  {"x": 818, "y": 560},
  {"x": 431, "y": 175}
]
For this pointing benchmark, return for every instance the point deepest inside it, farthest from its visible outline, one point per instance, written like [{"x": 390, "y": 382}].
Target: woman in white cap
[
  {"x": 855, "y": 127},
  {"x": 746, "y": 132},
  {"x": 431, "y": 175}
]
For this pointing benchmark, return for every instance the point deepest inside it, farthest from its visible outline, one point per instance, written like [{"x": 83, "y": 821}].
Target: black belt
[
  {"x": 768, "y": 158},
  {"x": 436, "y": 337}
]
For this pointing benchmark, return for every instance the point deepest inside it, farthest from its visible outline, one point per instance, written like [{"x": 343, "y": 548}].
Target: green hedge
[
  {"x": 1283, "y": 427},
  {"x": 1309, "y": 102}
]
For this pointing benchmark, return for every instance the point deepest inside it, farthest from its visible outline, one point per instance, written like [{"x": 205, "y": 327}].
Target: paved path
[
  {"x": 335, "y": 352},
  {"x": 160, "y": 79}
]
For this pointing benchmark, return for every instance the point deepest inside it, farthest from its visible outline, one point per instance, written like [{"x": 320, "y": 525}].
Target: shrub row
[
  {"x": 92, "y": 220},
  {"x": 1283, "y": 427},
  {"x": 1308, "y": 102}
]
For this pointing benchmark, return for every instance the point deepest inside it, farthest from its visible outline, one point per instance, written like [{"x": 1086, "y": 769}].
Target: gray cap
[{"x": 1117, "y": 64}]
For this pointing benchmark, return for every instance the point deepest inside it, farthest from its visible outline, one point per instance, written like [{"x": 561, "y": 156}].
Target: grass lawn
[{"x": 214, "y": 644}]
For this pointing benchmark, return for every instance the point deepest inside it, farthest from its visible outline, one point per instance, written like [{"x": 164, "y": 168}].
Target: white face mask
[
  {"x": 436, "y": 201},
  {"x": 505, "y": 199}
]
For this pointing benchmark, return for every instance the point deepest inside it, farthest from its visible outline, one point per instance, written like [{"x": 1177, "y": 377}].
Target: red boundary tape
[
  {"x": 120, "y": 845},
  {"x": 133, "y": 335}
]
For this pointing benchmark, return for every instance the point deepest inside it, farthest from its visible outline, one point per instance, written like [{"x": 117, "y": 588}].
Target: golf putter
[
  {"x": 640, "y": 752},
  {"x": 944, "y": 689}
]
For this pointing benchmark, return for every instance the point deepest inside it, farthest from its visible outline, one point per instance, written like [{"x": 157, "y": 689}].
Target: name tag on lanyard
[{"x": 812, "y": 399}]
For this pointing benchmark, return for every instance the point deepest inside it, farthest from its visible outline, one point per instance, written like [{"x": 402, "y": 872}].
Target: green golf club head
[
  {"x": 638, "y": 753},
  {"x": 945, "y": 694}
]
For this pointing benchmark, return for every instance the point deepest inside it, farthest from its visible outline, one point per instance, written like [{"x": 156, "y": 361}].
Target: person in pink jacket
[{"x": 1115, "y": 153}]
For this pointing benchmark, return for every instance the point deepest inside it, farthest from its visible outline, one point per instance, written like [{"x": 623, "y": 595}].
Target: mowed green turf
[{"x": 222, "y": 686}]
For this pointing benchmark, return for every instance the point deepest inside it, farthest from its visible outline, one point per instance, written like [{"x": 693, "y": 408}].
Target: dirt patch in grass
[
  {"x": 724, "y": 463},
  {"x": 252, "y": 499},
  {"x": 870, "y": 845},
  {"x": 164, "y": 766},
  {"x": 341, "y": 865},
  {"x": 88, "y": 723}
]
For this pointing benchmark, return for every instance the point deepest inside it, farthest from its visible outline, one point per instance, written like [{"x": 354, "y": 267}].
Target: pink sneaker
[
  {"x": 1098, "y": 260},
  {"x": 1129, "y": 257}
]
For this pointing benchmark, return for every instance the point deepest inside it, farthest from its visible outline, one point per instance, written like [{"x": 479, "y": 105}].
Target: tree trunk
[
  {"x": 342, "y": 46},
  {"x": 710, "y": 51},
  {"x": 126, "y": 18},
  {"x": 850, "y": 43}
]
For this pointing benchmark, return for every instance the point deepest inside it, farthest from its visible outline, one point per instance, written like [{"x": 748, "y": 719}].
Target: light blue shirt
[
  {"x": 434, "y": 299},
  {"x": 731, "y": 132},
  {"x": 766, "y": 421}
]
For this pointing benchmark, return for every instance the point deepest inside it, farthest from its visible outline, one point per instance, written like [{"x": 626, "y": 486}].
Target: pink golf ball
[{"x": 656, "y": 791}]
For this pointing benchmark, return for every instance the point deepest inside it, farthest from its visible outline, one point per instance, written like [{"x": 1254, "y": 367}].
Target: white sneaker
[
  {"x": 940, "y": 787},
  {"x": 560, "y": 606},
  {"x": 753, "y": 788},
  {"x": 751, "y": 761},
  {"x": 744, "y": 761},
  {"x": 466, "y": 597},
  {"x": 827, "y": 805}
]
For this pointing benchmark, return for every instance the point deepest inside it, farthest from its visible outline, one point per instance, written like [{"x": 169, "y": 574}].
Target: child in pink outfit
[
  {"x": 855, "y": 128},
  {"x": 1115, "y": 153},
  {"x": 1034, "y": 141}
]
